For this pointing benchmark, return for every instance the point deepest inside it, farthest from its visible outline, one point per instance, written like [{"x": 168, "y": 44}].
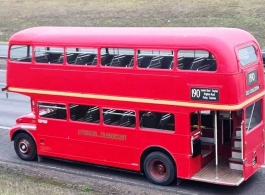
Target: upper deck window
[
  {"x": 196, "y": 60},
  {"x": 247, "y": 55},
  {"x": 82, "y": 56},
  {"x": 22, "y": 53},
  {"x": 117, "y": 57},
  {"x": 49, "y": 55},
  {"x": 155, "y": 59}
]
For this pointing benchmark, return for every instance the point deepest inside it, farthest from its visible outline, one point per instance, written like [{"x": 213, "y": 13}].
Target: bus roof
[{"x": 173, "y": 37}]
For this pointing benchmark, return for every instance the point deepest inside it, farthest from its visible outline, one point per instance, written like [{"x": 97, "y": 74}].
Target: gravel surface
[{"x": 73, "y": 183}]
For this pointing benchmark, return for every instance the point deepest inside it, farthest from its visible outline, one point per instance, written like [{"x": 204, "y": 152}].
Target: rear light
[{"x": 26, "y": 120}]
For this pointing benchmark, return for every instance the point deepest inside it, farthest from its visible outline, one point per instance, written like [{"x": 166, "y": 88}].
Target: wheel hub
[
  {"x": 158, "y": 169},
  {"x": 24, "y": 147}
]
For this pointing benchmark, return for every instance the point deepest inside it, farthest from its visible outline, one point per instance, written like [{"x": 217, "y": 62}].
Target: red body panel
[{"x": 254, "y": 147}]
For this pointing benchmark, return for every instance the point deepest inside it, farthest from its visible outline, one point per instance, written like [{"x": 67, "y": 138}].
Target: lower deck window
[
  {"x": 84, "y": 113},
  {"x": 125, "y": 118},
  {"x": 54, "y": 111},
  {"x": 157, "y": 120},
  {"x": 253, "y": 115},
  {"x": 202, "y": 119},
  {"x": 194, "y": 121}
]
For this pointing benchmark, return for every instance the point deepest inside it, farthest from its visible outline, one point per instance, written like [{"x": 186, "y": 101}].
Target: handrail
[
  {"x": 216, "y": 145},
  {"x": 242, "y": 140}
]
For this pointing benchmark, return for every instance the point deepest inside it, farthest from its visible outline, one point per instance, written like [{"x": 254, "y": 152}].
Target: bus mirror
[{"x": 4, "y": 89}]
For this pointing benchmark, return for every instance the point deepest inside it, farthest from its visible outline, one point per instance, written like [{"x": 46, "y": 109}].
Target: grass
[
  {"x": 244, "y": 14},
  {"x": 13, "y": 183},
  {"x": 86, "y": 188}
]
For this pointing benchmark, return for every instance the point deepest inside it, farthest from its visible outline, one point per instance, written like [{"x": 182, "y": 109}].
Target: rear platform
[{"x": 226, "y": 176}]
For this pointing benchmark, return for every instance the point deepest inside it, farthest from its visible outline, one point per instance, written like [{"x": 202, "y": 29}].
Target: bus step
[
  {"x": 237, "y": 143},
  {"x": 236, "y": 154},
  {"x": 236, "y": 164},
  {"x": 236, "y": 149},
  {"x": 238, "y": 133},
  {"x": 237, "y": 138},
  {"x": 207, "y": 146}
]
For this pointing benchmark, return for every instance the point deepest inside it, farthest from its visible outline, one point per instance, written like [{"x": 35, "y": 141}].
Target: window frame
[
  {"x": 245, "y": 47},
  {"x": 195, "y": 71},
  {"x": 153, "y": 129},
  {"x": 198, "y": 120},
  {"x": 55, "y": 119},
  {"x": 261, "y": 117},
  {"x": 155, "y": 49},
  {"x": 118, "y": 109},
  {"x": 83, "y": 122},
  {"x": 29, "y": 47},
  {"x": 81, "y": 65},
  {"x": 116, "y": 67},
  {"x": 47, "y": 63}
]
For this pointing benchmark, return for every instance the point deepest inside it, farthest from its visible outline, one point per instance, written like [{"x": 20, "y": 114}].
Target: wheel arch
[{"x": 23, "y": 131}]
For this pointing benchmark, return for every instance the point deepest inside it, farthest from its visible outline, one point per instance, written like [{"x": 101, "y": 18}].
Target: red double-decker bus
[{"x": 167, "y": 102}]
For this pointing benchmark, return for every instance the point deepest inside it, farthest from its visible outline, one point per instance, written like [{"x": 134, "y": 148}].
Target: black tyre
[
  {"x": 25, "y": 147},
  {"x": 159, "y": 168}
]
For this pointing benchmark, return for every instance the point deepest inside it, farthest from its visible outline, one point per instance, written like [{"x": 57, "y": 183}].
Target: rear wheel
[
  {"x": 159, "y": 168},
  {"x": 25, "y": 147}
]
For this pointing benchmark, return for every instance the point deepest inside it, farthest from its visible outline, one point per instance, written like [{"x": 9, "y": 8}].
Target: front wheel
[
  {"x": 159, "y": 168},
  {"x": 25, "y": 147}
]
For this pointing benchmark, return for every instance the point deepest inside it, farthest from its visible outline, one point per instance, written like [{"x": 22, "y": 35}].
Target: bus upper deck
[{"x": 190, "y": 64}]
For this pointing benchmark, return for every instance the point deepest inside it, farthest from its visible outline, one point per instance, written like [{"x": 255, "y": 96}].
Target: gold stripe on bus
[{"x": 140, "y": 100}]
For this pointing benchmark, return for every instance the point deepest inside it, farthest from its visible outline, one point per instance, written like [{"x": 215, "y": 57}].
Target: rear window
[{"x": 247, "y": 55}]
